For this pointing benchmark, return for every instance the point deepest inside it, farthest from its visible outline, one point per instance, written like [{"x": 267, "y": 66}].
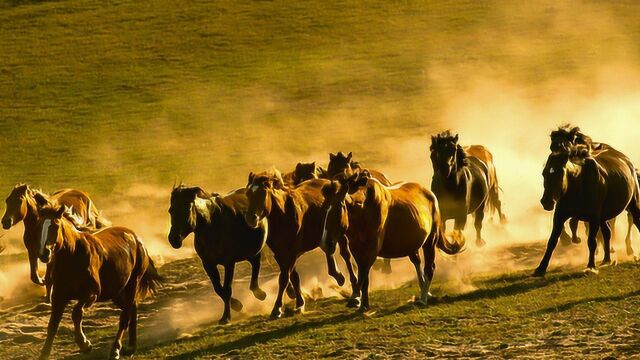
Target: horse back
[{"x": 79, "y": 201}]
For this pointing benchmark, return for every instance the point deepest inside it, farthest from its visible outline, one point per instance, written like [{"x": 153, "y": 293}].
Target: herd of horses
[{"x": 345, "y": 206}]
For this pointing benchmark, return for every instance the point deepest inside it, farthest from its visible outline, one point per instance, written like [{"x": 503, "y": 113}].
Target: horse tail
[
  {"x": 437, "y": 230},
  {"x": 493, "y": 203},
  {"x": 150, "y": 283}
]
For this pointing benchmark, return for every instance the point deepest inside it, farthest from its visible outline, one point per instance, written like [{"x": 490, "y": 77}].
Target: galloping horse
[
  {"x": 295, "y": 219},
  {"x": 111, "y": 264},
  {"x": 465, "y": 182},
  {"x": 563, "y": 139},
  {"x": 388, "y": 222},
  {"x": 22, "y": 205},
  {"x": 222, "y": 237},
  {"x": 342, "y": 166},
  {"x": 592, "y": 187}
]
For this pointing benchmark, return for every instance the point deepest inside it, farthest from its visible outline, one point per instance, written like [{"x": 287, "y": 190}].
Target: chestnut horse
[
  {"x": 295, "y": 218},
  {"x": 342, "y": 166},
  {"x": 388, "y": 222},
  {"x": 591, "y": 187},
  {"x": 563, "y": 139},
  {"x": 22, "y": 205},
  {"x": 465, "y": 182},
  {"x": 111, "y": 264},
  {"x": 303, "y": 172},
  {"x": 222, "y": 237}
]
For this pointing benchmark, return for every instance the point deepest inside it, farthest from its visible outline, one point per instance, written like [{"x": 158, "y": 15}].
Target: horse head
[
  {"x": 446, "y": 154},
  {"x": 50, "y": 228},
  {"x": 260, "y": 188},
  {"x": 16, "y": 206},
  {"x": 340, "y": 165},
  {"x": 183, "y": 212}
]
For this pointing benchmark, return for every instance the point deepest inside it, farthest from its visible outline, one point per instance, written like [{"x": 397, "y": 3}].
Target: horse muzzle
[
  {"x": 175, "y": 240},
  {"x": 548, "y": 204},
  {"x": 45, "y": 257},
  {"x": 7, "y": 223},
  {"x": 252, "y": 220}
]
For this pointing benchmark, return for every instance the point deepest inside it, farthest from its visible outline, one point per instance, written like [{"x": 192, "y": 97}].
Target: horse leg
[
  {"x": 346, "y": 256},
  {"x": 57, "y": 309},
  {"x": 458, "y": 229},
  {"x": 81, "y": 339},
  {"x": 133, "y": 329},
  {"x": 627, "y": 239},
  {"x": 255, "y": 272},
  {"x": 593, "y": 245},
  {"x": 558, "y": 226},
  {"x": 125, "y": 318},
  {"x": 229, "y": 302},
  {"x": 415, "y": 260},
  {"x": 333, "y": 270},
  {"x": 283, "y": 282},
  {"x": 33, "y": 268},
  {"x": 612, "y": 227},
  {"x": 429, "y": 252},
  {"x": 363, "y": 281},
  {"x": 295, "y": 281},
  {"x": 605, "y": 228},
  {"x": 573, "y": 225},
  {"x": 48, "y": 282},
  {"x": 478, "y": 218},
  {"x": 214, "y": 276}
]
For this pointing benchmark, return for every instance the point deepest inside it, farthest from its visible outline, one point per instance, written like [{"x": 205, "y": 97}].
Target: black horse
[
  {"x": 589, "y": 186},
  {"x": 465, "y": 182},
  {"x": 222, "y": 237}
]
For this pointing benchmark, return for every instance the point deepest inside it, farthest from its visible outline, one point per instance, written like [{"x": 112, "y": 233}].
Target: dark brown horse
[
  {"x": 342, "y": 166},
  {"x": 222, "y": 237},
  {"x": 111, "y": 264},
  {"x": 22, "y": 205},
  {"x": 562, "y": 140},
  {"x": 388, "y": 222},
  {"x": 303, "y": 172},
  {"x": 591, "y": 187},
  {"x": 295, "y": 220},
  {"x": 465, "y": 182}
]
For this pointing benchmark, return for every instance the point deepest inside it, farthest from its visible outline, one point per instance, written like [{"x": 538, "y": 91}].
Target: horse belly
[
  {"x": 405, "y": 232},
  {"x": 619, "y": 195},
  {"x": 114, "y": 278}
]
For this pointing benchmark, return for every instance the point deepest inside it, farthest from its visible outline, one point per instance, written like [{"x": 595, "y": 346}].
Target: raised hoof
[
  {"x": 224, "y": 321},
  {"x": 539, "y": 272},
  {"x": 608, "y": 263},
  {"x": 299, "y": 310},
  {"x": 339, "y": 279},
  {"x": 612, "y": 250},
  {"x": 591, "y": 271},
  {"x": 290, "y": 292},
  {"x": 275, "y": 314},
  {"x": 353, "y": 303},
  {"x": 480, "y": 243},
  {"x": 259, "y": 294},
  {"x": 236, "y": 305},
  {"x": 576, "y": 240},
  {"x": 86, "y": 347}
]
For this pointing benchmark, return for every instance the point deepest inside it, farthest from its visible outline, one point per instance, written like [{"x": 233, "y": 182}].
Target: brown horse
[
  {"x": 562, "y": 140},
  {"x": 342, "y": 166},
  {"x": 22, "y": 205},
  {"x": 295, "y": 219},
  {"x": 222, "y": 237},
  {"x": 388, "y": 222},
  {"x": 465, "y": 182},
  {"x": 592, "y": 187},
  {"x": 303, "y": 172},
  {"x": 111, "y": 264}
]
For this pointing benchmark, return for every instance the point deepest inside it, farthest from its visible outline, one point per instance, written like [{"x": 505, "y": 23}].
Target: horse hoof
[
  {"x": 236, "y": 305},
  {"x": 339, "y": 279},
  {"x": 576, "y": 240},
  {"x": 612, "y": 250},
  {"x": 591, "y": 271},
  {"x": 608, "y": 263},
  {"x": 275, "y": 314},
  {"x": 364, "y": 310},
  {"x": 115, "y": 354},
  {"x": 539, "y": 272},
  {"x": 224, "y": 321},
  {"x": 86, "y": 347},
  {"x": 353, "y": 303},
  {"x": 420, "y": 303},
  {"x": 480, "y": 243},
  {"x": 259, "y": 294},
  {"x": 298, "y": 310}
]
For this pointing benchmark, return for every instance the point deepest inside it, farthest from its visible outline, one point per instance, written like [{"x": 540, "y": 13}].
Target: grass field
[{"x": 123, "y": 98}]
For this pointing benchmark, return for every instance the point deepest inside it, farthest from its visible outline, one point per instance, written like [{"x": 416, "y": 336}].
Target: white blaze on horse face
[
  {"x": 254, "y": 188},
  {"x": 44, "y": 235},
  {"x": 552, "y": 171},
  {"x": 323, "y": 241}
]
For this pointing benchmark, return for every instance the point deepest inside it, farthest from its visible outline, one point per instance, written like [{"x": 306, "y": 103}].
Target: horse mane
[
  {"x": 570, "y": 133},
  {"x": 274, "y": 175}
]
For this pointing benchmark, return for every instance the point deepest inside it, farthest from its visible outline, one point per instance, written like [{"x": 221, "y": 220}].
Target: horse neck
[
  {"x": 31, "y": 217},
  {"x": 456, "y": 178},
  {"x": 205, "y": 209},
  {"x": 70, "y": 235}
]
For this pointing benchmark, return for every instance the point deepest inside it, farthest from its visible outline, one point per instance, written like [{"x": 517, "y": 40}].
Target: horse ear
[
  {"x": 313, "y": 164},
  {"x": 332, "y": 156},
  {"x": 41, "y": 200},
  {"x": 456, "y": 138},
  {"x": 250, "y": 180},
  {"x": 349, "y": 156},
  {"x": 61, "y": 211}
]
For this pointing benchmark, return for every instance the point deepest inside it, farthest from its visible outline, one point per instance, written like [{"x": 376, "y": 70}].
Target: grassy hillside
[{"x": 100, "y": 95}]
